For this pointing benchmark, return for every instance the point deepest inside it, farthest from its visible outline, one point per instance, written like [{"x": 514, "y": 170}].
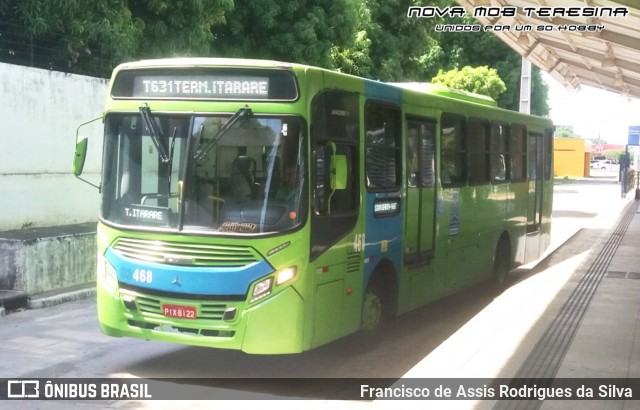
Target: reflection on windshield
[{"x": 242, "y": 178}]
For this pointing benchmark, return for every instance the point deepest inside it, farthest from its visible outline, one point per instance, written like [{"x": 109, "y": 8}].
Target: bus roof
[
  {"x": 445, "y": 91},
  {"x": 428, "y": 88},
  {"x": 202, "y": 61}
]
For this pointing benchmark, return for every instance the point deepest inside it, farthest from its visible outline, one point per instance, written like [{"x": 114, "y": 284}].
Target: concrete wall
[
  {"x": 39, "y": 113},
  {"x": 39, "y": 260}
]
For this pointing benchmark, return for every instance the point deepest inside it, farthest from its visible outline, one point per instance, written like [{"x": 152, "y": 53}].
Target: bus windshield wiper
[
  {"x": 156, "y": 134},
  {"x": 241, "y": 114},
  {"x": 170, "y": 162}
]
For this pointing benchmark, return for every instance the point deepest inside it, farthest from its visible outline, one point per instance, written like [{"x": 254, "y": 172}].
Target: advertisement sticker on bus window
[{"x": 146, "y": 214}]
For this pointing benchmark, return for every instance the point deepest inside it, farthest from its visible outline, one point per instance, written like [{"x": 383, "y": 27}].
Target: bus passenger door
[
  {"x": 420, "y": 203},
  {"x": 534, "y": 213}
]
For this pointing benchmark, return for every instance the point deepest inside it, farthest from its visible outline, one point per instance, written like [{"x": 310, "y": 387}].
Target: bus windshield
[{"x": 231, "y": 174}]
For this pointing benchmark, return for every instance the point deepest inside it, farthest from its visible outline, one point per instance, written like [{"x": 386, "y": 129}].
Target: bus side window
[
  {"x": 478, "y": 149},
  {"x": 518, "y": 153},
  {"x": 499, "y": 155},
  {"x": 326, "y": 200},
  {"x": 382, "y": 142},
  {"x": 421, "y": 153},
  {"x": 335, "y": 123},
  {"x": 454, "y": 156}
]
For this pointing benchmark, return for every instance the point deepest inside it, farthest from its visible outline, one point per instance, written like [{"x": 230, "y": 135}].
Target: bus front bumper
[{"x": 271, "y": 326}]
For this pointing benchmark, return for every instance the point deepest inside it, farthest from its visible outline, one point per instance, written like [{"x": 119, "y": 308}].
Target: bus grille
[{"x": 185, "y": 254}]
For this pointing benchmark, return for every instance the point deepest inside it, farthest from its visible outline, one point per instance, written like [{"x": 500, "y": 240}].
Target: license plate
[{"x": 179, "y": 311}]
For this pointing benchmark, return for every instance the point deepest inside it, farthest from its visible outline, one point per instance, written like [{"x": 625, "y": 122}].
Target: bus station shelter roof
[{"x": 607, "y": 58}]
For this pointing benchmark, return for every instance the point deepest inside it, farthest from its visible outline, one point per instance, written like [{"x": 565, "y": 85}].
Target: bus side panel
[
  {"x": 336, "y": 304},
  {"x": 276, "y": 327},
  {"x": 490, "y": 217},
  {"x": 383, "y": 234}
]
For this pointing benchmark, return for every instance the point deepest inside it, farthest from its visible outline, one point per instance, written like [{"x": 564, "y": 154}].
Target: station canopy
[{"x": 578, "y": 42}]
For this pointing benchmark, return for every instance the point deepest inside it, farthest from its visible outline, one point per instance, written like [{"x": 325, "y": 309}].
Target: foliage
[
  {"x": 615, "y": 154},
  {"x": 389, "y": 46},
  {"x": 480, "y": 80},
  {"x": 67, "y": 35},
  {"x": 565, "y": 131},
  {"x": 302, "y": 31},
  {"x": 177, "y": 28},
  {"x": 92, "y": 37},
  {"x": 370, "y": 38},
  {"x": 485, "y": 49}
]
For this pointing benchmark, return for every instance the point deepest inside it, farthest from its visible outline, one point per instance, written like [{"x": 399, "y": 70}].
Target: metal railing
[{"x": 630, "y": 180}]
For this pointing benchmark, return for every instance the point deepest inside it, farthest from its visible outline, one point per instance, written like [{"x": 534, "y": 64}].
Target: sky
[{"x": 593, "y": 112}]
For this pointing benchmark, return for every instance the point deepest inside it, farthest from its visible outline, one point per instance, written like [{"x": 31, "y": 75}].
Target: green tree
[
  {"x": 388, "y": 45},
  {"x": 301, "y": 31},
  {"x": 485, "y": 49},
  {"x": 92, "y": 37},
  {"x": 565, "y": 131},
  {"x": 480, "y": 80},
  {"x": 68, "y": 35},
  {"x": 178, "y": 28}
]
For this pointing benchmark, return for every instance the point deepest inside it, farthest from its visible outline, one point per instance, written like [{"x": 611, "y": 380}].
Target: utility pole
[{"x": 525, "y": 86}]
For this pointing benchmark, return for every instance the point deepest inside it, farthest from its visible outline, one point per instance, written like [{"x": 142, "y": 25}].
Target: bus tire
[
  {"x": 378, "y": 305},
  {"x": 372, "y": 312},
  {"x": 502, "y": 260}
]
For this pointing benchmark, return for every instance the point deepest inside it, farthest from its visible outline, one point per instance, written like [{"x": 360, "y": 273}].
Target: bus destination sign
[
  {"x": 201, "y": 86},
  {"x": 206, "y": 84}
]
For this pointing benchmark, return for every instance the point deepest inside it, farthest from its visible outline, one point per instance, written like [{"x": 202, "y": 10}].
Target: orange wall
[{"x": 570, "y": 158}]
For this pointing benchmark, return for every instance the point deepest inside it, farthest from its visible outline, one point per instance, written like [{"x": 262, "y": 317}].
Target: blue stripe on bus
[
  {"x": 382, "y": 92},
  {"x": 187, "y": 279},
  {"x": 382, "y": 232},
  {"x": 383, "y": 236}
]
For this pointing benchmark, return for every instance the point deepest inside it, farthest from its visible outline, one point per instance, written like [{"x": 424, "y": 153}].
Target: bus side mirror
[
  {"x": 81, "y": 153},
  {"x": 80, "y": 156},
  {"x": 338, "y": 172}
]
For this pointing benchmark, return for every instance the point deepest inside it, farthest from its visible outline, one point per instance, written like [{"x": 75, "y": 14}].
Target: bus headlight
[
  {"x": 107, "y": 275},
  {"x": 286, "y": 275},
  {"x": 262, "y": 289}
]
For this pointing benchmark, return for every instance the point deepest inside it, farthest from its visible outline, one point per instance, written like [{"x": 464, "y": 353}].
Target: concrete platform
[{"x": 575, "y": 315}]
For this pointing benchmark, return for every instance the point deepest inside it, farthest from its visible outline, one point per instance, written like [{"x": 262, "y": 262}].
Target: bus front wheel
[
  {"x": 371, "y": 311},
  {"x": 380, "y": 300}
]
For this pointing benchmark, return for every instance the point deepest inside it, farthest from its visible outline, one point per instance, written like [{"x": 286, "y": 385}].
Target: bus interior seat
[
  {"x": 242, "y": 176},
  {"x": 246, "y": 166}
]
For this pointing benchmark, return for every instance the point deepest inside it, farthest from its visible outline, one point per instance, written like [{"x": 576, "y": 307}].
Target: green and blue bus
[{"x": 273, "y": 207}]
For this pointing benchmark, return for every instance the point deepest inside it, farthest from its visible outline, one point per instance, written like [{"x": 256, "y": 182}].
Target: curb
[{"x": 43, "y": 301}]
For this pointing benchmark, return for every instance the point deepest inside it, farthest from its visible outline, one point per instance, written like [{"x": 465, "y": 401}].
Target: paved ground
[{"x": 588, "y": 283}]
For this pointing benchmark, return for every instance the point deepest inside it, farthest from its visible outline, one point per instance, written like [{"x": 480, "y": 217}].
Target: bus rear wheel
[{"x": 502, "y": 261}]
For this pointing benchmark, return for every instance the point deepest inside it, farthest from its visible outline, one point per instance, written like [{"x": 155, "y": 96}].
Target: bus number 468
[{"x": 143, "y": 276}]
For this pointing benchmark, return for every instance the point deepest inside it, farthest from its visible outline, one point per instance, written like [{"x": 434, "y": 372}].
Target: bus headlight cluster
[
  {"x": 263, "y": 288},
  {"x": 107, "y": 275},
  {"x": 286, "y": 275}
]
